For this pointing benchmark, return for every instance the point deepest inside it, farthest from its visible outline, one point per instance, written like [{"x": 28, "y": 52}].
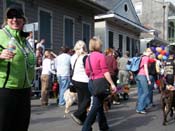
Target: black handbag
[
  {"x": 72, "y": 86},
  {"x": 100, "y": 85}
]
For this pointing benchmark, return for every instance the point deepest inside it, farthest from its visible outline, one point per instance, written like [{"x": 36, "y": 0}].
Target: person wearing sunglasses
[{"x": 16, "y": 72}]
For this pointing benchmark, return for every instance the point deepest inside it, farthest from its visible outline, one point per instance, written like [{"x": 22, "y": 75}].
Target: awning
[
  {"x": 171, "y": 18},
  {"x": 126, "y": 22},
  {"x": 155, "y": 41}
]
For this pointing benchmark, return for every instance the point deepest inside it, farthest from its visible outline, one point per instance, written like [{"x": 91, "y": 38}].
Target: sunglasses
[{"x": 14, "y": 16}]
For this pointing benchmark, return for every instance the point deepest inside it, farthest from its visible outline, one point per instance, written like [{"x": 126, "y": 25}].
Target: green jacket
[{"x": 17, "y": 73}]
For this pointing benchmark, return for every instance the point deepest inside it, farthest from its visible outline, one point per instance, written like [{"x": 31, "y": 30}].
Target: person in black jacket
[
  {"x": 153, "y": 76},
  {"x": 169, "y": 70}
]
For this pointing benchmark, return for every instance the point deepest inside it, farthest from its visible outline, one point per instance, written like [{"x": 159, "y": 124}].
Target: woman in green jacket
[{"x": 17, "y": 64}]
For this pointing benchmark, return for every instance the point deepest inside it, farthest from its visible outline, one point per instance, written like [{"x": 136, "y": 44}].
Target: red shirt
[{"x": 112, "y": 64}]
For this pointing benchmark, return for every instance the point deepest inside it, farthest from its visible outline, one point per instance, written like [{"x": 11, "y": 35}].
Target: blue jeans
[
  {"x": 64, "y": 82},
  {"x": 95, "y": 110},
  {"x": 143, "y": 92}
]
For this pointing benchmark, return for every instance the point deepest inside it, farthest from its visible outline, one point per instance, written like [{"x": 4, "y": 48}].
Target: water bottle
[{"x": 11, "y": 45}]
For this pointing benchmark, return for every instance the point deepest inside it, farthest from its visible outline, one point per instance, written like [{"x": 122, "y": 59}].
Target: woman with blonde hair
[
  {"x": 143, "y": 81},
  {"x": 78, "y": 67},
  {"x": 99, "y": 70}
]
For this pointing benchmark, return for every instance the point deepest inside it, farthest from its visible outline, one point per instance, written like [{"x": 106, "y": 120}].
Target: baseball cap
[{"x": 14, "y": 11}]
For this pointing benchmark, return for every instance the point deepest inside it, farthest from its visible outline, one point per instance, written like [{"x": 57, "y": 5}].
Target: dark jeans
[
  {"x": 95, "y": 110},
  {"x": 114, "y": 78},
  {"x": 83, "y": 100},
  {"x": 150, "y": 89},
  {"x": 14, "y": 109}
]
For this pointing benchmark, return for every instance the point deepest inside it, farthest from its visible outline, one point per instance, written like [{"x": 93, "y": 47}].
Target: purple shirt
[{"x": 98, "y": 63}]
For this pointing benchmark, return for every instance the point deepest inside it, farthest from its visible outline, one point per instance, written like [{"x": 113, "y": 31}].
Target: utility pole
[{"x": 164, "y": 6}]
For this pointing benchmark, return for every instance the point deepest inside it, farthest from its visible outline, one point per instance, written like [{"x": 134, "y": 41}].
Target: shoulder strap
[
  {"x": 2, "y": 47},
  {"x": 10, "y": 36},
  {"x": 74, "y": 66},
  {"x": 90, "y": 66},
  {"x": 84, "y": 60}
]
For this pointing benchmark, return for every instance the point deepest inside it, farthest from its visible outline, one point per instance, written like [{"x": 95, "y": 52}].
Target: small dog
[
  {"x": 167, "y": 102},
  {"x": 112, "y": 98},
  {"x": 70, "y": 98}
]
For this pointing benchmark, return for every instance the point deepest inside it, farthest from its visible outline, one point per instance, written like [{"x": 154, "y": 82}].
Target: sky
[{"x": 173, "y": 1}]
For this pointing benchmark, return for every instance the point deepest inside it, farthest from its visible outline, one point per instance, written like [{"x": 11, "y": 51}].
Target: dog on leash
[
  {"x": 70, "y": 98},
  {"x": 167, "y": 102},
  {"x": 115, "y": 98}
]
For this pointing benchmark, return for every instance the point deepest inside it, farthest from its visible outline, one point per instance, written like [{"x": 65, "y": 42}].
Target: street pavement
[{"x": 120, "y": 117}]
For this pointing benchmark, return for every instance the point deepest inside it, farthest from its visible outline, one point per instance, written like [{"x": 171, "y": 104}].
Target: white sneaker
[{"x": 115, "y": 103}]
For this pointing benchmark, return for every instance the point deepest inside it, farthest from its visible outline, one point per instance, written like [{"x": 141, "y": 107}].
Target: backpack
[{"x": 133, "y": 64}]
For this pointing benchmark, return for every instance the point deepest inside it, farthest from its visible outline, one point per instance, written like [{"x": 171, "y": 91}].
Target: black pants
[
  {"x": 83, "y": 100},
  {"x": 14, "y": 109}
]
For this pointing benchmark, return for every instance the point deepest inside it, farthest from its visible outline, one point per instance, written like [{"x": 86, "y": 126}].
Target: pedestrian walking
[
  {"x": 112, "y": 64},
  {"x": 81, "y": 85},
  {"x": 62, "y": 65},
  {"x": 100, "y": 70},
  {"x": 143, "y": 81},
  {"x": 123, "y": 74},
  {"x": 153, "y": 77},
  {"x": 17, "y": 64}
]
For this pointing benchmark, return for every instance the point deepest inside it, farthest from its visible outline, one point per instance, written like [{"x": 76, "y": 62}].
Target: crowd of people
[
  {"x": 105, "y": 64},
  {"x": 75, "y": 66}
]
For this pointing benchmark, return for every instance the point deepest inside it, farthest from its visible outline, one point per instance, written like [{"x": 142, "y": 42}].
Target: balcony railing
[{"x": 171, "y": 39}]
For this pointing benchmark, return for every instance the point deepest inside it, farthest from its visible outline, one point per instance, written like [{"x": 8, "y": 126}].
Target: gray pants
[{"x": 123, "y": 76}]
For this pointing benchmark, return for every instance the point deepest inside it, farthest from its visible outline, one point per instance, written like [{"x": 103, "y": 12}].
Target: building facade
[
  {"x": 120, "y": 27},
  {"x": 158, "y": 15},
  {"x": 63, "y": 22},
  {"x": 60, "y": 22}
]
